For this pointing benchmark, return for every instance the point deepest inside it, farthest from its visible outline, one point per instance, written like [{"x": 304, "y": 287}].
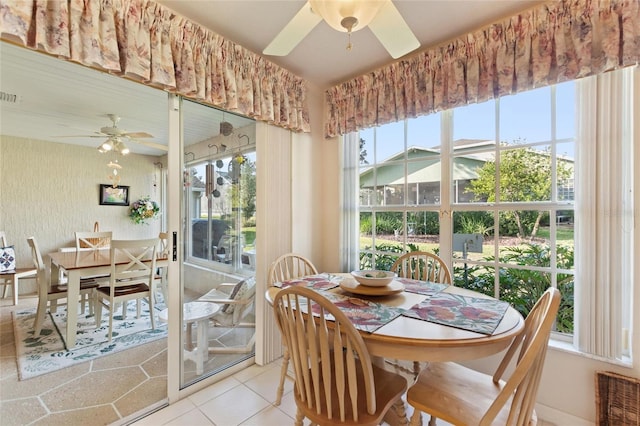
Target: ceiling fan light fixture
[
  {"x": 106, "y": 146},
  {"x": 356, "y": 14}
]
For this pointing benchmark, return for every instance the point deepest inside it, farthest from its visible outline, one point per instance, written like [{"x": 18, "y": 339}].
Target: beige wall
[{"x": 50, "y": 190}]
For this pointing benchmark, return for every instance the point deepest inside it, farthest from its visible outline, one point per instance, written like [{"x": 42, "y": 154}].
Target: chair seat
[
  {"x": 223, "y": 319},
  {"x": 389, "y": 387},
  {"x": 125, "y": 290},
  {"x": 62, "y": 288},
  {"x": 457, "y": 394},
  {"x": 19, "y": 272}
]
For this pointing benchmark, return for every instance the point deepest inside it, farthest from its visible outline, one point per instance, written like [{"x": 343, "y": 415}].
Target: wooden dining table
[
  {"x": 412, "y": 339},
  {"x": 78, "y": 264}
]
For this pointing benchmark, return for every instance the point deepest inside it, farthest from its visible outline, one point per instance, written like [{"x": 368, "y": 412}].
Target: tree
[
  {"x": 525, "y": 176},
  {"x": 248, "y": 194}
]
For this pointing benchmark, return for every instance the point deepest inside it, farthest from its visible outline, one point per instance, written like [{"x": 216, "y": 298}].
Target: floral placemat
[
  {"x": 426, "y": 288},
  {"x": 364, "y": 315},
  {"x": 316, "y": 282},
  {"x": 468, "y": 313}
]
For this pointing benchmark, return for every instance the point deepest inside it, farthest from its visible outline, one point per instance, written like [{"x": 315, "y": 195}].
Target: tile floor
[
  {"x": 128, "y": 381},
  {"x": 245, "y": 398}
]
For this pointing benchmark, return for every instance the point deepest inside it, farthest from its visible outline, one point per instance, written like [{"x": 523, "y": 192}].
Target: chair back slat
[
  {"x": 290, "y": 266},
  {"x": 522, "y": 385},
  {"x": 422, "y": 265},
  {"x": 327, "y": 356}
]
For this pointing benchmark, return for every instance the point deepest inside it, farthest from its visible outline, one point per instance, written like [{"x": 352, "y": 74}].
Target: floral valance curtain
[
  {"x": 145, "y": 41},
  {"x": 551, "y": 43}
]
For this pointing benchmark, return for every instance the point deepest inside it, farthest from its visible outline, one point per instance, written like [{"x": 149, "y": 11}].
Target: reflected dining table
[
  {"x": 403, "y": 336},
  {"x": 78, "y": 264}
]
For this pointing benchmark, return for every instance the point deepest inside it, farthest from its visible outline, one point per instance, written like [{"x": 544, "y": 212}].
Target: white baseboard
[{"x": 559, "y": 418}]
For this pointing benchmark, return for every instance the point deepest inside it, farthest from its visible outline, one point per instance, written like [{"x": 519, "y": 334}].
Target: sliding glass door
[{"x": 218, "y": 193}]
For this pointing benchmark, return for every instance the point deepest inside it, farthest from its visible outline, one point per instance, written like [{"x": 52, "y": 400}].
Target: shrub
[{"x": 522, "y": 287}]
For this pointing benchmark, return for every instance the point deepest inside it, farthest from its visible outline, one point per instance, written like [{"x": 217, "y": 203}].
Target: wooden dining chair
[
  {"x": 460, "y": 395},
  {"x": 335, "y": 381},
  {"x": 12, "y": 278},
  {"x": 129, "y": 281},
  {"x": 51, "y": 294},
  {"x": 93, "y": 240},
  {"x": 423, "y": 266},
  {"x": 160, "y": 278},
  {"x": 287, "y": 267}
]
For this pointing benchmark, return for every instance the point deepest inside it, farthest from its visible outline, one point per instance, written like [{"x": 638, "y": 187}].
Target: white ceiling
[{"x": 57, "y": 99}]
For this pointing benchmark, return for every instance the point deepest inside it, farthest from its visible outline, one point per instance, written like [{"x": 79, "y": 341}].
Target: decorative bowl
[{"x": 374, "y": 277}]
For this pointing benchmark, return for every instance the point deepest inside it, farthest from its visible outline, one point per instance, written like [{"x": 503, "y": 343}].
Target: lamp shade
[{"x": 334, "y": 11}]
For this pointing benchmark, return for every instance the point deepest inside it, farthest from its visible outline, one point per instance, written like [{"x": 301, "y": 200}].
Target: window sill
[{"x": 568, "y": 347}]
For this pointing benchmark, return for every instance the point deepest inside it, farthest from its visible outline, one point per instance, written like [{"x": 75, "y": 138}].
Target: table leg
[
  {"x": 55, "y": 273},
  {"x": 202, "y": 350},
  {"x": 397, "y": 415},
  {"x": 73, "y": 292}
]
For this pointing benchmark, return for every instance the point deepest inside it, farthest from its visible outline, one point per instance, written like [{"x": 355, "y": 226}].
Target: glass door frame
[{"x": 175, "y": 215}]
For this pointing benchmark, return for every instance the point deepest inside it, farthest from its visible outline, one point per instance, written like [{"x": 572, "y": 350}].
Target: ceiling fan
[
  {"x": 116, "y": 138},
  {"x": 381, "y": 16}
]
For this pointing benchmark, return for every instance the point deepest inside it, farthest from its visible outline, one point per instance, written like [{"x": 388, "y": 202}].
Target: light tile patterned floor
[
  {"x": 250, "y": 392},
  {"x": 245, "y": 398}
]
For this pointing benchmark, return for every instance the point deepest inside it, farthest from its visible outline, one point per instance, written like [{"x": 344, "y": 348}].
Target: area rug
[{"x": 47, "y": 352}]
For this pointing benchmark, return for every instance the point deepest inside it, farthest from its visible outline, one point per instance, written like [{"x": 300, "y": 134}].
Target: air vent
[{"x": 9, "y": 98}]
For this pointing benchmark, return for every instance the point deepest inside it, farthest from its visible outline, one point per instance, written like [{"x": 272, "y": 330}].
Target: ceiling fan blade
[
  {"x": 393, "y": 32},
  {"x": 81, "y": 136},
  {"x": 151, "y": 144},
  {"x": 137, "y": 135},
  {"x": 293, "y": 33}
]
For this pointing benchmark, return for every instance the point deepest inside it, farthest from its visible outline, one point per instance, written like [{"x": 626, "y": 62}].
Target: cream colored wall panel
[{"x": 273, "y": 224}]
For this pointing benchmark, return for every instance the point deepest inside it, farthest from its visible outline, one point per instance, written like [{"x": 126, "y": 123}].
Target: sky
[{"x": 525, "y": 116}]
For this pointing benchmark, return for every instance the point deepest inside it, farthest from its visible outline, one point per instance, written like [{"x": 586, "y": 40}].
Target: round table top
[
  {"x": 194, "y": 311},
  {"x": 418, "y": 340}
]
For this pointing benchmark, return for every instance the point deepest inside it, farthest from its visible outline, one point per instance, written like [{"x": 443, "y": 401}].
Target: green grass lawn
[{"x": 564, "y": 234}]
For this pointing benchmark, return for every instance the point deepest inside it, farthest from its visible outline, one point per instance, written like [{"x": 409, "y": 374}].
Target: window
[
  {"x": 221, "y": 205},
  {"x": 491, "y": 188}
]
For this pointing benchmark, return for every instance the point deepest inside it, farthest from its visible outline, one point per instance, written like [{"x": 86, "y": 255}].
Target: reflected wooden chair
[
  {"x": 130, "y": 281},
  {"x": 460, "y": 395},
  {"x": 12, "y": 278},
  {"x": 335, "y": 381},
  {"x": 50, "y": 294},
  {"x": 287, "y": 267},
  {"x": 423, "y": 266}
]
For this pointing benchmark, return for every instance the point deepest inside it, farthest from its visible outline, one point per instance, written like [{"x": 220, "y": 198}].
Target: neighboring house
[{"x": 423, "y": 176}]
